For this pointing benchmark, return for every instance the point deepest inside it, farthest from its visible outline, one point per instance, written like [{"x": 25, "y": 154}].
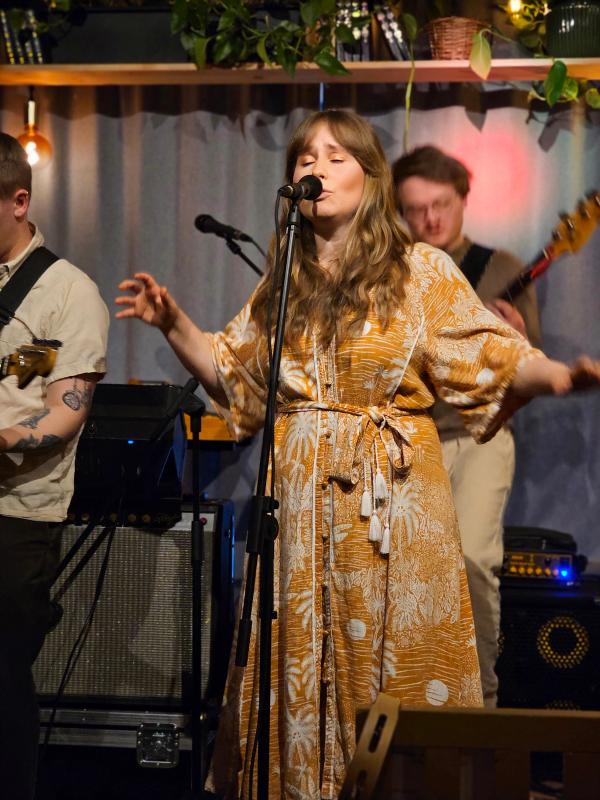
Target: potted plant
[
  {"x": 450, "y": 37},
  {"x": 531, "y": 20},
  {"x": 231, "y": 32}
]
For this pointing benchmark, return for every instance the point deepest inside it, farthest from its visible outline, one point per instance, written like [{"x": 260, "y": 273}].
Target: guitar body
[{"x": 30, "y": 360}]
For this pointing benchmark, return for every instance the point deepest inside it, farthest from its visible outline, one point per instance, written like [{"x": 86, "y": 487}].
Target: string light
[
  {"x": 37, "y": 147},
  {"x": 514, "y": 6}
]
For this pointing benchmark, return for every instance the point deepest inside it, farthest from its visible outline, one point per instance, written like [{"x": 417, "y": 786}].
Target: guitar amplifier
[
  {"x": 137, "y": 656},
  {"x": 540, "y": 555}
]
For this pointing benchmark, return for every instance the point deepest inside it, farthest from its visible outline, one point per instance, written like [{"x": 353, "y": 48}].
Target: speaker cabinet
[
  {"x": 138, "y": 650},
  {"x": 550, "y": 645}
]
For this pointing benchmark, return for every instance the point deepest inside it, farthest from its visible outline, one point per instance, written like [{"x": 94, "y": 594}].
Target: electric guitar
[
  {"x": 29, "y": 360},
  {"x": 570, "y": 234}
]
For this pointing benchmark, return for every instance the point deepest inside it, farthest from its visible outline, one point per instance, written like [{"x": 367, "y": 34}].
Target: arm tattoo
[
  {"x": 78, "y": 398},
  {"x": 32, "y": 422},
  {"x": 31, "y": 443}
]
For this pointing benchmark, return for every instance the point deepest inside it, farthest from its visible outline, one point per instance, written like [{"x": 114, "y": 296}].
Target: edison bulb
[{"x": 37, "y": 147}]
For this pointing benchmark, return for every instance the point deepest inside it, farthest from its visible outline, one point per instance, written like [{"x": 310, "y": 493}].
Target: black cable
[
  {"x": 258, "y": 247},
  {"x": 108, "y": 532}
]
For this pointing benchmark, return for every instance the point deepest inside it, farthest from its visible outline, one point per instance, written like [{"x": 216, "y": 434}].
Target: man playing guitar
[
  {"x": 431, "y": 190},
  {"x": 39, "y": 427}
]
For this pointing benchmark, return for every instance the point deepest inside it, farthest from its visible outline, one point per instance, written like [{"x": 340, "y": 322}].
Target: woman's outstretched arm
[{"x": 155, "y": 306}]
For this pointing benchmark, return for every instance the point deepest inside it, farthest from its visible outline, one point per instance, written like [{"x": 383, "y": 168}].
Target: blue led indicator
[
  {"x": 130, "y": 441},
  {"x": 564, "y": 573}
]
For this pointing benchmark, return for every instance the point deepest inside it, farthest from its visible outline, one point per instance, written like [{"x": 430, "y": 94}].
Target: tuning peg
[
  {"x": 556, "y": 235},
  {"x": 595, "y": 196},
  {"x": 583, "y": 210}
]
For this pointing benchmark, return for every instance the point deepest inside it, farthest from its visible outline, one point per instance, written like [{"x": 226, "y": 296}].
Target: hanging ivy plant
[{"x": 230, "y": 32}]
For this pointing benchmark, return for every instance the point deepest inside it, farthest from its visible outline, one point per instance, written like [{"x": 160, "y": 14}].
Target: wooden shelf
[{"x": 509, "y": 69}]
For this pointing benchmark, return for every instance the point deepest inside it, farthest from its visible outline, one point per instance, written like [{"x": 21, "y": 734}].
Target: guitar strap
[
  {"x": 474, "y": 263},
  {"x": 18, "y": 286}
]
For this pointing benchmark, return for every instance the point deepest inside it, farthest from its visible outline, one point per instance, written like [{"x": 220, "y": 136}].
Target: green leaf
[
  {"x": 411, "y": 28},
  {"x": 555, "y": 81},
  {"x": 200, "y": 46},
  {"x": 329, "y": 63},
  {"x": 481, "y": 55},
  {"x": 344, "y": 34},
  {"x": 286, "y": 58},
  {"x": 570, "y": 90},
  {"x": 310, "y": 12},
  {"x": 188, "y": 42},
  {"x": 222, "y": 50},
  {"x": 530, "y": 40},
  {"x": 328, "y": 7},
  {"x": 261, "y": 49},
  {"x": 592, "y": 98},
  {"x": 228, "y": 20},
  {"x": 179, "y": 16}
]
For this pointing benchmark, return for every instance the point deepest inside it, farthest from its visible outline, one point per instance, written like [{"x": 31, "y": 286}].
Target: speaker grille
[
  {"x": 550, "y": 648},
  {"x": 139, "y": 647}
]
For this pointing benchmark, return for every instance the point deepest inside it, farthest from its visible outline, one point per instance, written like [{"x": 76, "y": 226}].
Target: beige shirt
[
  {"x": 64, "y": 304},
  {"x": 500, "y": 271}
]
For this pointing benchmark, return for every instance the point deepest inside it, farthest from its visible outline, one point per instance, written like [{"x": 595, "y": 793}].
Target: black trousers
[{"x": 29, "y": 556}]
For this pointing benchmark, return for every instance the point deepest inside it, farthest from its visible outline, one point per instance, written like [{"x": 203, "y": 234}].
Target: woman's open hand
[
  {"x": 147, "y": 301},
  {"x": 585, "y": 374}
]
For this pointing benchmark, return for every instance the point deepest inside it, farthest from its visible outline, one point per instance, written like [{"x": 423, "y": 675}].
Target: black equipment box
[
  {"x": 131, "y": 454},
  {"x": 541, "y": 555}
]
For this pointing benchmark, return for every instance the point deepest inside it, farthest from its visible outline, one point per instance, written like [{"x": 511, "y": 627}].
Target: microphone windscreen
[
  {"x": 204, "y": 223},
  {"x": 315, "y": 187}
]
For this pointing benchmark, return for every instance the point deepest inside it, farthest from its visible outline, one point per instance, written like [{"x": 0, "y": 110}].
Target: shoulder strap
[
  {"x": 474, "y": 263},
  {"x": 17, "y": 288}
]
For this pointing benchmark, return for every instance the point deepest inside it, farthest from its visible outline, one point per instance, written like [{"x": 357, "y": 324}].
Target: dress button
[{"x": 324, "y": 484}]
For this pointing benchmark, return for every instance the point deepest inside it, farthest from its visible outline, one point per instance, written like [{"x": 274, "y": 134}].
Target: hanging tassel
[
  {"x": 375, "y": 528},
  {"x": 380, "y": 491},
  {"x": 384, "y": 548},
  {"x": 366, "y": 507}
]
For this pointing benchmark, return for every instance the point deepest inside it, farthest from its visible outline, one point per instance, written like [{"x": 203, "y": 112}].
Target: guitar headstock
[
  {"x": 29, "y": 360},
  {"x": 575, "y": 229}
]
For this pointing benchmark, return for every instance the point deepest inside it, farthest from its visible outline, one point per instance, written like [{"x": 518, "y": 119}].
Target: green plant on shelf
[
  {"x": 232, "y": 32},
  {"x": 529, "y": 21}
]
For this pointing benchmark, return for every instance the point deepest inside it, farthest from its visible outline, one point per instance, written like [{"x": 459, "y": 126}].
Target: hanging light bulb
[{"x": 37, "y": 147}]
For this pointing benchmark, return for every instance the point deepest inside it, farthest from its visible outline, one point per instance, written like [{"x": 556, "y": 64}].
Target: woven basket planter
[{"x": 451, "y": 38}]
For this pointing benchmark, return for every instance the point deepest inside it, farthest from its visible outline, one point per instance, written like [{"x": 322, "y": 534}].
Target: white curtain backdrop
[{"x": 134, "y": 166}]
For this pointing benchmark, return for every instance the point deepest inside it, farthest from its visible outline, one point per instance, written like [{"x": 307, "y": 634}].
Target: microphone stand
[
  {"x": 237, "y": 250},
  {"x": 262, "y": 532}
]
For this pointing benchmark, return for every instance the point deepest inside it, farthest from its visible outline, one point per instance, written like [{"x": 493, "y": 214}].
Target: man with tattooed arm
[{"x": 39, "y": 429}]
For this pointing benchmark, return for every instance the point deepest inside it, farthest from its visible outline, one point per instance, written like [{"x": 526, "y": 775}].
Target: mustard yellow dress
[{"x": 370, "y": 587}]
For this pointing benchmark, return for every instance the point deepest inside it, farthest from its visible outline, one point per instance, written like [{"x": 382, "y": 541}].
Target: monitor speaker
[
  {"x": 550, "y": 645},
  {"x": 138, "y": 650}
]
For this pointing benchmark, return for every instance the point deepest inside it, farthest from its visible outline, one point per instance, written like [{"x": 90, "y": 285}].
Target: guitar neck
[{"x": 531, "y": 272}]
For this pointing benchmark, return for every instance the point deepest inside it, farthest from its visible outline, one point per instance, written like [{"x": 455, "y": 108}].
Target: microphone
[
  {"x": 307, "y": 188},
  {"x": 208, "y": 224}
]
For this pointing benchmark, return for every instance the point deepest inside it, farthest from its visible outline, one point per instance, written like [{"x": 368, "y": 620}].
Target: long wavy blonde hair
[{"x": 373, "y": 266}]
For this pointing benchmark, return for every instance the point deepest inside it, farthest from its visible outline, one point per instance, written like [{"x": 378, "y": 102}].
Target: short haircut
[
  {"x": 15, "y": 170},
  {"x": 433, "y": 164}
]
